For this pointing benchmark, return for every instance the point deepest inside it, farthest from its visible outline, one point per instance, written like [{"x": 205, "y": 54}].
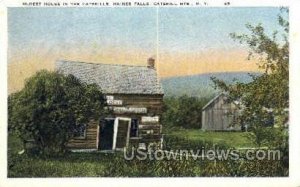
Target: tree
[
  {"x": 183, "y": 111},
  {"x": 268, "y": 94},
  {"x": 49, "y": 108}
]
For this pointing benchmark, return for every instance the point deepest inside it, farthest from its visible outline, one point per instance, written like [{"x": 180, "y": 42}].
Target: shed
[
  {"x": 220, "y": 115},
  {"x": 135, "y": 97}
]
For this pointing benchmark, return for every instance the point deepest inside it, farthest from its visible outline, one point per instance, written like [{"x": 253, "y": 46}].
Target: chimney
[{"x": 151, "y": 63}]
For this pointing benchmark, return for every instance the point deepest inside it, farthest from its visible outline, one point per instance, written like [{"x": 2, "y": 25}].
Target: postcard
[{"x": 130, "y": 92}]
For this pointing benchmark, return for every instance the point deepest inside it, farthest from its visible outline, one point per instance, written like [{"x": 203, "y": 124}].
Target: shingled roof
[{"x": 114, "y": 79}]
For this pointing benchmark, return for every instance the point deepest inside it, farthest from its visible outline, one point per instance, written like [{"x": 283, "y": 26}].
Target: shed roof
[
  {"x": 212, "y": 100},
  {"x": 114, "y": 78}
]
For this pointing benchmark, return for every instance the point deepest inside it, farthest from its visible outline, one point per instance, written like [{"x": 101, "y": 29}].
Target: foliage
[
  {"x": 50, "y": 106},
  {"x": 104, "y": 165},
  {"x": 268, "y": 94},
  {"x": 183, "y": 111}
]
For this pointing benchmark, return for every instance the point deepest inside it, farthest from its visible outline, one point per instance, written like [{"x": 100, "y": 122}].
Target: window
[
  {"x": 134, "y": 128},
  {"x": 80, "y": 131}
]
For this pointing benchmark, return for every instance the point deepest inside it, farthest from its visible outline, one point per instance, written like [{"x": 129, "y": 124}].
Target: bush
[
  {"x": 183, "y": 112},
  {"x": 50, "y": 107}
]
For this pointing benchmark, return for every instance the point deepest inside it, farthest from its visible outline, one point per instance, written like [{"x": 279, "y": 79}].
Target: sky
[
  {"x": 196, "y": 29},
  {"x": 184, "y": 41}
]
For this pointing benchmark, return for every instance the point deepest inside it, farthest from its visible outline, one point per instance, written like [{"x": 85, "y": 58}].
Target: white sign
[
  {"x": 114, "y": 102},
  {"x": 109, "y": 97},
  {"x": 129, "y": 110},
  {"x": 150, "y": 119}
]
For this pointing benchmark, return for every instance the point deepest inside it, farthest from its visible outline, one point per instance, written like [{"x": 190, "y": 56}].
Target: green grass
[
  {"x": 231, "y": 139},
  {"x": 114, "y": 165}
]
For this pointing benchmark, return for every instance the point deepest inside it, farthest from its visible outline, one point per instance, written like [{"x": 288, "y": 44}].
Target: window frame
[
  {"x": 137, "y": 127},
  {"x": 84, "y": 133}
]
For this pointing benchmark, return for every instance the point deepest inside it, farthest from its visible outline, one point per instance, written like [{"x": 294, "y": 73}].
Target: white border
[
  {"x": 154, "y": 3},
  {"x": 292, "y": 180}
]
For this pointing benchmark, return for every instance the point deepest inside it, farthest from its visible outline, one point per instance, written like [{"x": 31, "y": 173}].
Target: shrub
[
  {"x": 183, "y": 112},
  {"x": 50, "y": 107}
]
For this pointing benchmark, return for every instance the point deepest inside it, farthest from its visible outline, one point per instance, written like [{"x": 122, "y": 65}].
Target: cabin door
[
  {"x": 106, "y": 134},
  {"x": 121, "y": 132}
]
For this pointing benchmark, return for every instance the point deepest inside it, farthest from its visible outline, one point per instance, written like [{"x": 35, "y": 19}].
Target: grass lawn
[
  {"x": 93, "y": 164},
  {"x": 114, "y": 165},
  {"x": 231, "y": 139}
]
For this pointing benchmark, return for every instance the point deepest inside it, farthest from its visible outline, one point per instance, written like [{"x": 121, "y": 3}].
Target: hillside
[{"x": 200, "y": 85}]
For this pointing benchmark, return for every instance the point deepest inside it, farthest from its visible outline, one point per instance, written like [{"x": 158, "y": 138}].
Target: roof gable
[
  {"x": 213, "y": 100},
  {"x": 114, "y": 79}
]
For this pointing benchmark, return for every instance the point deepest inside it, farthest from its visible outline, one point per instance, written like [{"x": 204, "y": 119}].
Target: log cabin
[
  {"x": 220, "y": 115},
  {"x": 135, "y": 97}
]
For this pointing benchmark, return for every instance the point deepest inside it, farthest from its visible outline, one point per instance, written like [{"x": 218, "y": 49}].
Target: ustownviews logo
[{"x": 201, "y": 154}]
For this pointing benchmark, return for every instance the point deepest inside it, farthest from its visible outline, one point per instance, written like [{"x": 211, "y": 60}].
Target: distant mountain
[{"x": 200, "y": 85}]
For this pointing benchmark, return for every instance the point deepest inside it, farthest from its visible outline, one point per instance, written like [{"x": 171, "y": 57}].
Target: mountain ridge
[{"x": 200, "y": 85}]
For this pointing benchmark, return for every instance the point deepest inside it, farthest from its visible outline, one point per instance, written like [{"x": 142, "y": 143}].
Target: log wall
[
  {"x": 90, "y": 141},
  {"x": 148, "y": 132}
]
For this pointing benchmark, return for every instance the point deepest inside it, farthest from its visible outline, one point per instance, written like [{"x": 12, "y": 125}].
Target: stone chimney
[{"x": 151, "y": 63}]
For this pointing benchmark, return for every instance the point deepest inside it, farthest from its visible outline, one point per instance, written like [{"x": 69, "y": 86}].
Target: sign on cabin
[
  {"x": 114, "y": 102},
  {"x": 109, "y": 97},
  {"x": 110, "y": 100},
  {"x": 148, "y": 119},
  {"x": 136, "y": 110}
]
